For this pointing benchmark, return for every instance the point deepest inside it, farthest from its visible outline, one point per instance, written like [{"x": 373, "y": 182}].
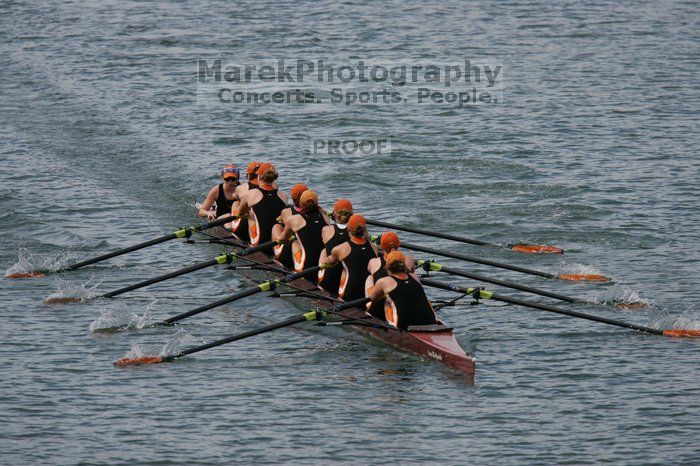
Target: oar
[
  {"x": 432, "y": 266},
  {"x": 222, "y": 259},
  {"x": 515, "y": 268},
  {"x": 181, "y": 233},
  {"x": 526, "y": 248},
  {"x": 544, "y": 307},
  {"x": 314, "y": 314},
  {"x": 268, "y": 285}
]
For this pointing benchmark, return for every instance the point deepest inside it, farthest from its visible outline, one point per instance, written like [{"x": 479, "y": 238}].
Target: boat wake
[
  {"x": 119, "y": 321},
  {"x": 31, "y": 264}
]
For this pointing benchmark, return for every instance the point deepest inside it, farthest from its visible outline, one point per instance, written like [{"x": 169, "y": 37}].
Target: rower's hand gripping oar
[
  {"x": 314, "y": 314},
  {"x": 181, "y": 233},
  {"x": 515, "y": 268},
  {"x": 483, "y": 294},
  {"x": 222, "y": 259},
  {"x": 526, "y": 248}
]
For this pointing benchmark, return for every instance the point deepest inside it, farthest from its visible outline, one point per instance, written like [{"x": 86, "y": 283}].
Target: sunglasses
[{"x": 231, "y": 179}]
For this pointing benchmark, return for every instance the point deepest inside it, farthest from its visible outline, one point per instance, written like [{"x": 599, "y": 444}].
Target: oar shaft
[
  {"x": 507, "y": 284},
  {"x": 435, "y": 234},
  {"x": 182, "y": 233},
  {"x": 477, "y": 260},
  {"x": 265, "y": 286},
  {"x": 120, "y": 252},
  {"x": 221, "y": 302},
  {"x": 241, "y": 336},
  {"x": 162, "y": 278},
  {"x": 542, "y": 307}
]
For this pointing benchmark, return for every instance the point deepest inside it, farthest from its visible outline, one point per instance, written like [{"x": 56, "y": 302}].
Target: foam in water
[
  {"x": 115, "y": 321},
  {"x": 32, "y": 262}
]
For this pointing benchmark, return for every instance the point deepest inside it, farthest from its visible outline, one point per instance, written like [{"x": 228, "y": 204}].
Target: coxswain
[
  {"x": 354, "y": 255},
  {"x": 283, "y": 251},
  {"x": 406, "y": 302},
  {"x": 222, "y": 195},
  {"x": 388, "y": 242},
  {"x": 333, "y": 235},
  {"x": 262, "y": 205},
  {"x": 306, "y": 226}
]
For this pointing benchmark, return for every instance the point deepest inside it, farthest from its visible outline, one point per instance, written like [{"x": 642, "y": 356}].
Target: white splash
[
  {"x": 580, "y": 269},
  {"x": 33, "y": 262},
  {"x": 66, "y": 289},
  {"x": 111, "y": 321},
  {"x": 624, "y": 295}
]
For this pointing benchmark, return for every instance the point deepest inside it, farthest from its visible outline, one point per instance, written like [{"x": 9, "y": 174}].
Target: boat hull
[{"x": 440, "y": 345}]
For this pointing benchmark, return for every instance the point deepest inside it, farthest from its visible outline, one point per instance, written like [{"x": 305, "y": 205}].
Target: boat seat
[{"x": 429, "y": 328}]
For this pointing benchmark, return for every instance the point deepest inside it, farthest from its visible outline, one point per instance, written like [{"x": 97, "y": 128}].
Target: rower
[
  {"x": 223, "y": 194},
  {"x": 333, "y": 235},
  {"x": 388, "y": 242},
  {"x": 306, "y": 226},
  {"x": 263, "y": 205},
  {"x": 355, "y": 255},
  {"x": 283, "y": 252},
  {"x": 239, "y": 226},
  {"x": 406, "y": 302}
]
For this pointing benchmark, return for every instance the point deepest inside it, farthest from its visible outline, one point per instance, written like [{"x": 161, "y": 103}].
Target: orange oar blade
[
  {"x": 62, "y": 300},
  {"x": 580, "y": 277},
  {"x": 26, "y": 275},
  {"x": 682, "y": 333},
  {"x": 537, "y": 249},
  {"x": 138, "y": 361}
]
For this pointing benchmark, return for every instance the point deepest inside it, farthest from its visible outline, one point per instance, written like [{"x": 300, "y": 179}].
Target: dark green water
[{"x": 592, "y": 148}]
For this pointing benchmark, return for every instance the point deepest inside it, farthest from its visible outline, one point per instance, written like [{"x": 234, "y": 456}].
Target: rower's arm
[
  {"x": 243, "y": 207},
  {"x": 286, "y": 233},
  {"x": 333, "y": 258},
  {"x": 208, "y": 202},
  {"x": 378, "y": 293}
]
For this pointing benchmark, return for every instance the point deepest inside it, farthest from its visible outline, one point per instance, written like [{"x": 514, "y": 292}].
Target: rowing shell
[{"x": 428, "y": 341}]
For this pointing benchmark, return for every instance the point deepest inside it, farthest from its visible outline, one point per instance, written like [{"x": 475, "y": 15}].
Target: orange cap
[
  {"x": 298, "y": 190},
  {"x": 356, "y": 222},
  {"x": 389, "y": 240},
  {"x": 265, "y": 167},
  {"x": 308, "y": 196},
  {"x": 342, "y": 204},
  {"x": 395, "y": 256},
  {"x": 253, "y": 168}
]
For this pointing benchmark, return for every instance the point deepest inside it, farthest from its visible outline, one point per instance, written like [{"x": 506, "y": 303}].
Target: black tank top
[
  {"x": 223, "y": 205},
  {"x": 356, "y": 265},
  {"x": 267, "y": 211},
  {"x": 412, "y": 305},
  {"x": 310, "y": 237},
  {"x": 331, "y": 277}
]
